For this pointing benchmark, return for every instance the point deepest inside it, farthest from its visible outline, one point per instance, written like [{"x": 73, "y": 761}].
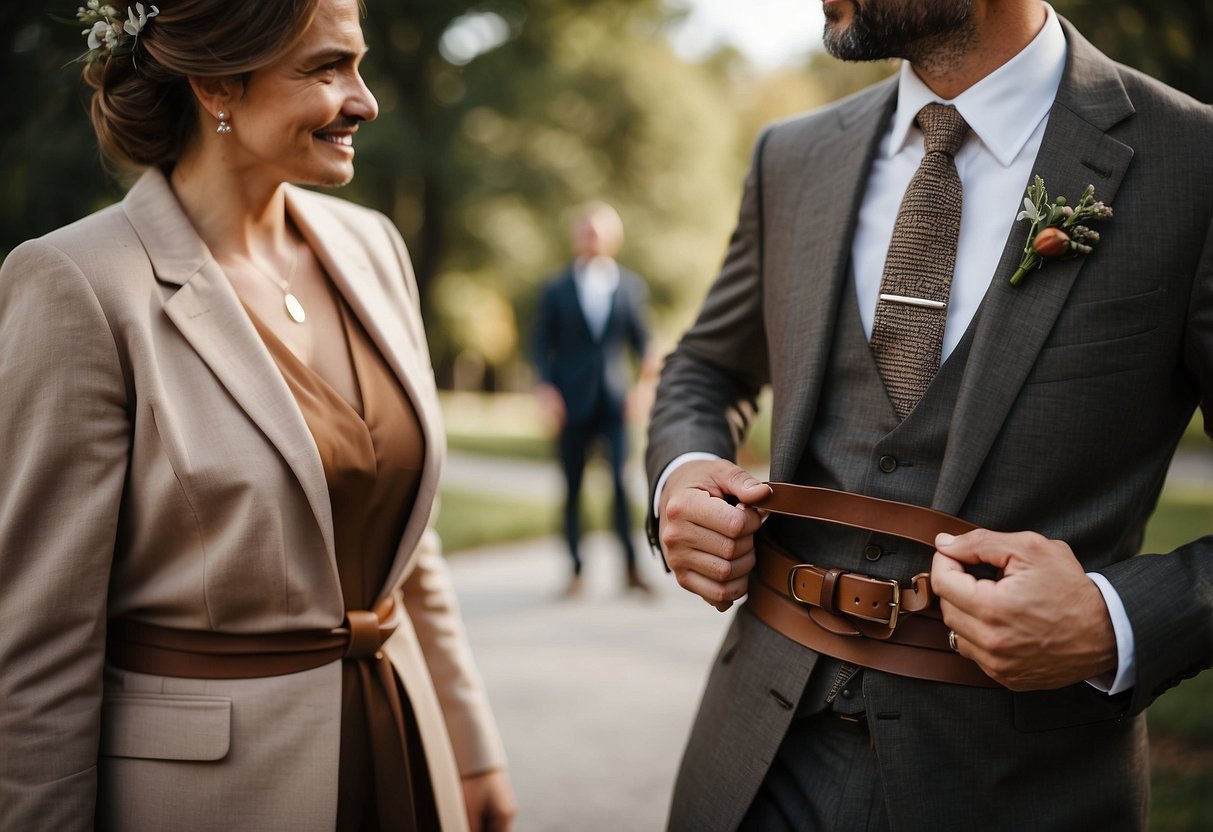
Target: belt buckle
[{"x": 891, "y": 621}]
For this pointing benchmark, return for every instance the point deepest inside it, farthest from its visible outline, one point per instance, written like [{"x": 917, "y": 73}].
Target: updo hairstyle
[{"x": 143, "y": 109}]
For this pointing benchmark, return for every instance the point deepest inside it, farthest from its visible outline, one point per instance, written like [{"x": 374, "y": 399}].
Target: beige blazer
[{"x": 156, "y": 467}]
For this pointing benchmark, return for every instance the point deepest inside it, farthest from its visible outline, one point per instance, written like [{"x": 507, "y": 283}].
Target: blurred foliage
[
  {"x": 499, "y": 117},
  {"x": 1168, "y": 39}
]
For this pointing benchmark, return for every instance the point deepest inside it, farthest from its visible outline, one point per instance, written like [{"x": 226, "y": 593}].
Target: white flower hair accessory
[{"x": 108, "y": 34}]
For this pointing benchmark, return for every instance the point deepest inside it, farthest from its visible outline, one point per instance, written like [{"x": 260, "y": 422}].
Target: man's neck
[{"x": 1000, "y": 32}]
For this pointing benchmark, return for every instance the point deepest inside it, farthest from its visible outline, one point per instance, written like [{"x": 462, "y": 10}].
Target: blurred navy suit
[{"x": 593, "y": 377}]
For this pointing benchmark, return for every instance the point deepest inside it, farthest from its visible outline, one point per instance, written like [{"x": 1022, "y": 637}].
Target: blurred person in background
[
  {"x": 589, "y": 316},
  {"x": 223, "y": 604}
]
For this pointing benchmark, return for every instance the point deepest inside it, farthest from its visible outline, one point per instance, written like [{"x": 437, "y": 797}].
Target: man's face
[{"x": 872, "y": 30}]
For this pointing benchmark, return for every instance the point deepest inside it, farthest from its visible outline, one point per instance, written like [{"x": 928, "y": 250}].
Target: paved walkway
[{"x": 594, "y": 696}]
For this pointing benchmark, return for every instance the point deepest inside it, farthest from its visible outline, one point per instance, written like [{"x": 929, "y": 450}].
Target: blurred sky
[{"x": 770, "y": 32}]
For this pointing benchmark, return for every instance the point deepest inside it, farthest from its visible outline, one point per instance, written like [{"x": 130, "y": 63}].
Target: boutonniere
[{"x": 1056, "y": 229}]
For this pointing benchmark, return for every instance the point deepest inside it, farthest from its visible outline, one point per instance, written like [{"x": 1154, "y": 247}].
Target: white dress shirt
[
  {"x": 596, "y": 280},
  {"x": 1007, "y": 112}
]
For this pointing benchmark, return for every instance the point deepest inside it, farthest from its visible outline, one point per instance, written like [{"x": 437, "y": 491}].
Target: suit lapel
[
  {"x": 207, "y": 312},
  {"x": 349, "y": 265},
  {"x": 829, "y": 195},
  {"x": 1013, "y": 322}
]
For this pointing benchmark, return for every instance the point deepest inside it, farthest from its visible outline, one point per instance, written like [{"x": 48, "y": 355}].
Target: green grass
[
  {"x": 500, "y": 425},
  {"x": 467, "y": 519}
]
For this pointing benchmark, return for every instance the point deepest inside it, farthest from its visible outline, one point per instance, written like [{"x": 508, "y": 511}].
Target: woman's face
[{"x": 296, "y": 120}]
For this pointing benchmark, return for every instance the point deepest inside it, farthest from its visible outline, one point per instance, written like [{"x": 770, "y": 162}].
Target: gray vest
[{"x": 858, "y": 444}]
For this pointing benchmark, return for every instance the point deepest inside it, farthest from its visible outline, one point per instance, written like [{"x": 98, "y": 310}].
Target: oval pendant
[{"x": 294, "y": 308}]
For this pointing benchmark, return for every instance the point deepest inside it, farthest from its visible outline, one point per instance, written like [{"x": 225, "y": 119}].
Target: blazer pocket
[
  {"x": 158, "y": 726},
  {"x": 1070, "y": 707}
]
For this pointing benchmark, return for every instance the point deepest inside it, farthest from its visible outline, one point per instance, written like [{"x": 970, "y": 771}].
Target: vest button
[
  {"x": 888, "y": 464},
  {"x": 872, "y": 552}
]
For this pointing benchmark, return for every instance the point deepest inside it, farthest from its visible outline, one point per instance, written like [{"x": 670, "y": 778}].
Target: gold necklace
[{"x": 294, "y": 309}]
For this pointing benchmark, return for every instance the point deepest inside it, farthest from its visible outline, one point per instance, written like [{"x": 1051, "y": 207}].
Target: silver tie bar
[{"x": 908, "y": 301}]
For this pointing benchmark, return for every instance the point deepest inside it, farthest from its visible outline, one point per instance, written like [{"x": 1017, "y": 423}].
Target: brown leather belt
[
  {"x": 198, "y": 654},
  {"x": 873, "y": 622}
]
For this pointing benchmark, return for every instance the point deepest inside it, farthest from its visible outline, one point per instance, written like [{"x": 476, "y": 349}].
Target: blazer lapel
[
  {"x": 208, "y": 313},
  {"x": 829, "y": 195},
  {"x": 350, "y": 267},
  {"x": 1013, "y": 322}
]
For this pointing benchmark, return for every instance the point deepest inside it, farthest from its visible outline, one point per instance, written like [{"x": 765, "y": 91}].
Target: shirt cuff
[
  {"x": 1126, "y": 665},
  {"x": 676, "y": 462}
]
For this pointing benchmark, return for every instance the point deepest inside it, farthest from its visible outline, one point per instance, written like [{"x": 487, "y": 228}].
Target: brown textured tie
[{"x": 907, "y": 333}]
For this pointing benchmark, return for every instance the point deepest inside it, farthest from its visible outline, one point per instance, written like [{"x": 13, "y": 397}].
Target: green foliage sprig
[{"x": 1055, "y": 230}]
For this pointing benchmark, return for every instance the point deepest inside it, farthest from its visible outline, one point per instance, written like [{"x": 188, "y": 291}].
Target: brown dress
[{"x": 372, "y": 460}]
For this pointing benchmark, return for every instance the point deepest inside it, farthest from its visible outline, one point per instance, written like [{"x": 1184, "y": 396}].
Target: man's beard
[{"x": 921, "y": 31}]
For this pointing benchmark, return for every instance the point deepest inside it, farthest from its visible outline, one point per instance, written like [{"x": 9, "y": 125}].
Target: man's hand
[
  {"x": 1044, "y": 625},
  {"x": 490, "y": 801},
  {"x": 708, "y": 543},
  {"x": 551, "y": 405}
]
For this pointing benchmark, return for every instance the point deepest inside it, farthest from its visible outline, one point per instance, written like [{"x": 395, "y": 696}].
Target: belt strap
[
  {"x": 198, "y": 654},
  {"x": 862, "y": 512},
  {"x": 868, "y": 621}
]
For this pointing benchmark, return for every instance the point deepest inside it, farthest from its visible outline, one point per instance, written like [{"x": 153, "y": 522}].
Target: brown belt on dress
[
  {"x": 200, "y": 654},
  {"x": 872, "y": 622}
]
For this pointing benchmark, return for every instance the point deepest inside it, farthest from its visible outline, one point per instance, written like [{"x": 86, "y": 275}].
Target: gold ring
[{"x": 952, "y": 640}]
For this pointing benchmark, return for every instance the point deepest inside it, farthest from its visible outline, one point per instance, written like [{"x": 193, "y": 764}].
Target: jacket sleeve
[
  {"x": 545, "y": 336},
  {"x": 433, "y": 609},
  {"x": 1169, "y": 598},
  {"x": 706, "y": 397},
  {"x": 64, "y": 439}
]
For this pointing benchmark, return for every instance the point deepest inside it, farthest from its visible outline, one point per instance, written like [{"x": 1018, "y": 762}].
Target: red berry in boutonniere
[{"x": 1055, "y": 232}]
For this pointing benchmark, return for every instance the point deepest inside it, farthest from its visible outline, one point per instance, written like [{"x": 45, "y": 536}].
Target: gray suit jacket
[{"x": 1077, "y": 387}]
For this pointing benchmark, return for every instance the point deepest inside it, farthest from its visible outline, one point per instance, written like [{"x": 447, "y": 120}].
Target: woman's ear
[{"x": 214, "y": 95}]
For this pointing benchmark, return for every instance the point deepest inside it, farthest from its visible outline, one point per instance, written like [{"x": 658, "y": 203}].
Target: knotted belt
[
  {"x": 873, "y": 622},
  {"x": 198, "y": 654}
]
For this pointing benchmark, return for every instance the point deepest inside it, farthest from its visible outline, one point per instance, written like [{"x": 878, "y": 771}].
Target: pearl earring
[{"x": 224, "y": 128}]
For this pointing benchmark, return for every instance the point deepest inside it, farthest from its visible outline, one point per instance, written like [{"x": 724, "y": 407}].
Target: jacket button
[
  {"x": 888, "y": 464},
  {"x": 872, "y": 552}
]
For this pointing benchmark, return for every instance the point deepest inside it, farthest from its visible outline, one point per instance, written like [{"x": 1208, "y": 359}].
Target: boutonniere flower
[{"x": 1056, "y": 229}]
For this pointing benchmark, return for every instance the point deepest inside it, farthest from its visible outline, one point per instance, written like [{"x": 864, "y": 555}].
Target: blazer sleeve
[
  {"x": 706, "y": 397},
  {"x": 64, "y": 438},
  {"x": 638, "y": 328},
  {"x": 545, "y": 336},
  {"x": 433, "y": 609},
  {"x": 429, "y": 599},
  {"x": 1169, "y": 598}
]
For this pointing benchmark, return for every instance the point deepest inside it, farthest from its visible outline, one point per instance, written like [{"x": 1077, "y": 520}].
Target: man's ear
[{"x": 215, "y": 94}]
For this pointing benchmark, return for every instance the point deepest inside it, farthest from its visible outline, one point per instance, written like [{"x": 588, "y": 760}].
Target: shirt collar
[{"x": 1004, "y": 108}]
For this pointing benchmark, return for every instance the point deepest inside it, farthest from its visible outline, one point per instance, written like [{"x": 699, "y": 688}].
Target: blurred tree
[
  {"x": 49, "y": 171},
  {"x": 498, "y": 117}
]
